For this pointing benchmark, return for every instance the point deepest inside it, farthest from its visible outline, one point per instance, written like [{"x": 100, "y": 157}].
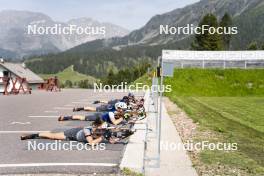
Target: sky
[{"x": 130, "y": 14}]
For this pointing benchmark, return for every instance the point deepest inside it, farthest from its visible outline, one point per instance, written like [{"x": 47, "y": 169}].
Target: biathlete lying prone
[
  {"x": 87, "y": 134},
  {"x": 112, "y": 117},
  {"x": 106, "y": 105},
  {"x": 115, "y": 116},
  {"x": 126, "y": 103}
]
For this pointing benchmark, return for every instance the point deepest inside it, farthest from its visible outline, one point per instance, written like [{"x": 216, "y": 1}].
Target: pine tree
[
  {"x": 253, "y": 46},
  {"x": 110, "y": 79},
  {"x": 68, "y": 84},
  {"x": 226, "y": 22},
  {"x": 207, "y": 41}
]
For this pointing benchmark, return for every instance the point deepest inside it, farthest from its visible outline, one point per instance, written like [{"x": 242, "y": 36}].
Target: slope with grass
[
  {"x": 144, "y": 80},
  {"x": 217, "y": 82},
  {"x": 70, "y": 75},
  {"x": 229, "y": 104}
]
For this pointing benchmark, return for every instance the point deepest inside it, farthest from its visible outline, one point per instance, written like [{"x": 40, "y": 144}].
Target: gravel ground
[{"x": 189, "y": 131}]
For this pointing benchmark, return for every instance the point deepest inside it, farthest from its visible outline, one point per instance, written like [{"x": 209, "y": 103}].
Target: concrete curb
[
  {"x": 134, "y": 152},
  {"x": 172, "y": 162},
  {"x": 133, "y": 157}
]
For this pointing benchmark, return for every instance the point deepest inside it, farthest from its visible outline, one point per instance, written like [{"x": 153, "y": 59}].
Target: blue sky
[{"x": 131, "y": 14}]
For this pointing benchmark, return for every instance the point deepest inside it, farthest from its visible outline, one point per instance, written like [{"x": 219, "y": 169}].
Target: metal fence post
[{"x": 160, "y": 112}]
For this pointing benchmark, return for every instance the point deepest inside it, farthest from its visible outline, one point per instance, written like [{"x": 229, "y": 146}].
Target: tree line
[
  {"x": 126, "y": 75},
  {"x": 217, "y": 41}
]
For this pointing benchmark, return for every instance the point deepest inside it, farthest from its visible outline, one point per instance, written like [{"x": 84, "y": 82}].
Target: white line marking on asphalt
[
  {"x": 21, "y": 123},
  {"x": 58, "y": 164},
  {"x": 44, "y": 116},
  {"x": 76, "y": 102},
  {"x": 69, "y": 105},
  {"x": 20, "y": 132},
  {"x": 61, "y": 108},
  {"x": 84, "y": 100},
  {"x": 51, "y": 111}
]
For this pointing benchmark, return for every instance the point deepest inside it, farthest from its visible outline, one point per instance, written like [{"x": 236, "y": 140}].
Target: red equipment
[
  {"x": 51, "y": 84},
  {"x": 15, "y": 85}
]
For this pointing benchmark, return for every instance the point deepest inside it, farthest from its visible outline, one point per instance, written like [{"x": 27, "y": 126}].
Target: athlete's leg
[
  {"x": 45, "y": 135},
  {"x": 87, "y": 108},
  {"x": 74, "y": 117},
  {"x": 51, "y": 135},
  {"x": 92, "y": 117}
]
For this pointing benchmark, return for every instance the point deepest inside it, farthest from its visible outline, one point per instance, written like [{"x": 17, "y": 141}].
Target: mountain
[
  {"x": 14, "y": 37},
  {"x": 247, "y": 16},
  {"x": 96, "y": 57},
  {"x": 7, "y": 54},
  {"x": 192, "y": 14}
]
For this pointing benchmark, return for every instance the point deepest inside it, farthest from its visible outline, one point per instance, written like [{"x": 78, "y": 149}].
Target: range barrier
[
  {"x": 213, "y": 59},
  {"x": 154, "y": 107},
  {"x": 171, "y": 59}
]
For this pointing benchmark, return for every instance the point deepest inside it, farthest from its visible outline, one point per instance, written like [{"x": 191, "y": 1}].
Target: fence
[
  {"x": 153, "y": 136},
  {"x": 183, "y": 59},
  {"x": 214, "y": 59}
]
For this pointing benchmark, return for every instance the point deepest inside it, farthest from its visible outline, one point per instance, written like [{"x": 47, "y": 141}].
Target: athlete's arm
[
  {"x": 113, "y": 140},
  {"x": 100, "y": 101},
  {"x": 92, "y": 141},
  {"x": 113, "y": 120}
]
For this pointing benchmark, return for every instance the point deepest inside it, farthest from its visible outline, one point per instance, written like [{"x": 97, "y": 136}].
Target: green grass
[
  {"x": 238, "y": 120},
  {"x": 145, "y": 79},
  {"x": 231, "y": 104},
  {"x": 128, "y": 172},
  {"x": 69, "y": 74},
  {"x": 217, "y": 82}
]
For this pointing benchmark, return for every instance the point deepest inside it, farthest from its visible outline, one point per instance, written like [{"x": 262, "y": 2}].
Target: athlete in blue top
[
  {"x": 112, "y": 117},
  {"x": 105, "y": 107}
]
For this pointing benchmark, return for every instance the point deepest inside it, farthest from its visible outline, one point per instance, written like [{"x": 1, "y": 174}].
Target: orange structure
[{"x": 51, "y": 84}]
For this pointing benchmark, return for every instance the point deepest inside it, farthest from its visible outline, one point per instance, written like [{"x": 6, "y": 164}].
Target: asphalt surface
[{"x": 21, "y": 114}]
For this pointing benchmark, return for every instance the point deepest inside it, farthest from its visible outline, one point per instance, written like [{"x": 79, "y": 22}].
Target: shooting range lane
[{"x": 26, "y": 113}]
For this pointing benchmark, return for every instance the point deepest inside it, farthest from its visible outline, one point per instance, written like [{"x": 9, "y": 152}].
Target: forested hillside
[
  {"x": 97, "y": 58},
  {"x": 99, "y": 62}
]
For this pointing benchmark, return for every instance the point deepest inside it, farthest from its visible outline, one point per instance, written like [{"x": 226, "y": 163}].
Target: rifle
[
  {"x": 140, "y": 115},
  {"x": 114, "y": 132}
]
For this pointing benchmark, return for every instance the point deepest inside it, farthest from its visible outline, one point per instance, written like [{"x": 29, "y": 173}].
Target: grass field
[
  {"x": 235, "y": 120},
  {"x": 217, "y": 82},
  {"x": 71, "y": 75},
  {"x": 230, "y": 103}
]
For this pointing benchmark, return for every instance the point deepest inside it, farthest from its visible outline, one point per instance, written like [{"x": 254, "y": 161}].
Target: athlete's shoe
[
  {"x": 29, "y": 136},
  {"x": 61, "y": 118}
]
